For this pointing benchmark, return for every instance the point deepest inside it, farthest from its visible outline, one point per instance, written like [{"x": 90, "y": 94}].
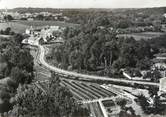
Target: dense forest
[
  {"x": 94, "y": 47},
  {"x": 15, "y": 57},
  {"x": 16, "y": 67}
]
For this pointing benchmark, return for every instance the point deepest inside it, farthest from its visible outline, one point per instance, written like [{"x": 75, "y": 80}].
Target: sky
[{"x": 82, "y": 3}]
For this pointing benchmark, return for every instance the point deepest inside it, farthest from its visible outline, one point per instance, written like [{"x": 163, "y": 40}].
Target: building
[
  {"x": 164, "y": 15},
  {"x": 161, "y": 56},
  {"x": 29, "y": 30},
  {"x": 162, "y": 87},
  {"x": 51, "y": 33},
  {"x": 32, "y": 31},
  {"x": 30, "y": 19}
]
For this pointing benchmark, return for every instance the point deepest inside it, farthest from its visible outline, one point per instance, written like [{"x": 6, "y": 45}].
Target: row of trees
[{"x": 7, "y": 31}]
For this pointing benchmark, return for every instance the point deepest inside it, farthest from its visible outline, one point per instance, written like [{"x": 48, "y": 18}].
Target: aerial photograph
[{"x": 82, "y": 58}]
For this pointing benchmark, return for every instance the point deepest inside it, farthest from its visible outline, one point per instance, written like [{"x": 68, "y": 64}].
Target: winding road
[{"x": 85, "y": 76}]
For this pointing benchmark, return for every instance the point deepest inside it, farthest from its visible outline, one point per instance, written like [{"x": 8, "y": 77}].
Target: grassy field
[
  {"x": 21, "y": 26},
  {"x": 46, "y": 23},
  {"x": 15, "y": 26},
  {"x": 143, "y": 35},
  {"x": 5, "y": 36}
]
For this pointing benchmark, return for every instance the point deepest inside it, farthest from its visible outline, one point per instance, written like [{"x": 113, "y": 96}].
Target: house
[
  {"x": 29, "y": 30},
  {"x": 164, "y": 15},
  {"x": 30, "y": 19},
  {"x": 162, "y": 86}
]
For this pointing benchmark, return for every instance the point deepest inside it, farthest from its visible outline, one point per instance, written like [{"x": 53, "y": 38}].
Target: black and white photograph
[{"x": 82, "y": 58}]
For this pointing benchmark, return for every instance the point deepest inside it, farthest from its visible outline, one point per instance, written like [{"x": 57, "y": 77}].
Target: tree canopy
[
  {"x": 94, "y": 47},
  {"x": 56, "y": 101}
]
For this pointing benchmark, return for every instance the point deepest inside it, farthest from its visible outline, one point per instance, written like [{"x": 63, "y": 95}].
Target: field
[
  {"x": 85, "y": 92},
  {"x": 21, "y": 26},
  {"x": 15, "y": 26},
  {"x": 143, "y": 35},
  {"x": 41, "y": 73},
  {"x": 46, "y": 23},
  {"x": 82, "y": 92}
]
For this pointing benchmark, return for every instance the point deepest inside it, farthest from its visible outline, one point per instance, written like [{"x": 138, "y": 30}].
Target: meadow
[
  {"x": 21, "y": 26},
  {"x": 143, "y": 35}
]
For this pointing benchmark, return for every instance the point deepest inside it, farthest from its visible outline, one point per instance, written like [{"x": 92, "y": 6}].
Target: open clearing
[
  {"x": 21, "y": 26},
  {"x": 46, "y": 23},
  {"x": 143, "y": 35}
]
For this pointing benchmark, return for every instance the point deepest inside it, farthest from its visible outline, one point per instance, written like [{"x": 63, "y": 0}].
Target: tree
[
  {"x": 5, "y": 105},
  {"x": 7, "y": 31},
  {"x": 153, "y": 91},
  {"x": 24, "y": 60},
  {"x": 20, "y": 76},
  {"x": 122, "y": 103},
  {"x": 155, "y": 108},
  {"x": 40, "y": 17},
  {"x": 76, "y": 59},
  {"x": 144, "y": 64},
  {"x": 12, "y": 85},
  {"x": 8, "y": 18},
  {"x": 126, "y": 111},
  {"x": 144, "y": 103},
  {"x": 124, "y": 24},
  {"x": 110, "y": 52},
  {"x": 18, "y": 38},
  {"x": 154, "y": 75}
]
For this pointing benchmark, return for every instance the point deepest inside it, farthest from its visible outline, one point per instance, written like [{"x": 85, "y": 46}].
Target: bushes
[
  {"x": 7, "y": 31},
  {"x": 155, "y": 108},
  {"x": 20, "y": 76},
  {"x": 5, "y": 105},
  {"x": 14, "y": 55}
]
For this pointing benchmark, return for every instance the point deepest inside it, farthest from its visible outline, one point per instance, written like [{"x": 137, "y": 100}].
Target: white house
[
  {"x": 162, "y": 87},
  {"x": 164, "y": 15},
  {"x": 29, "y": 30}
]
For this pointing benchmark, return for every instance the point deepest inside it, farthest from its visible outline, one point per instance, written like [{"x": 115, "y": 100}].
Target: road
[{"x": 84, "y": 76}]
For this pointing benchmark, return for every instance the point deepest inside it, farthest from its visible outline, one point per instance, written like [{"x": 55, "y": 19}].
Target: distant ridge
[{"x": 80, "y": 11}]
